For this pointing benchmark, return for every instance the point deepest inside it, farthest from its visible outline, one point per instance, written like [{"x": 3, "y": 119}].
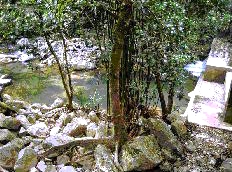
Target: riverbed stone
[
  {"x": 56, "y": 140},
  {"x": 5, "y": 82},
  {"x": 17, "y": 104},
  {"x": 24, "y": 121},
  {"x": 27, "y": 158},
  {"x": 62, "y": 159},
  {"x": 227, "y": 165},
  {"x": 64, "y": 119},
  {"x": 104, "y": 159},
  {"x": 6, "y": 135},
  {"x": 43, "y": 167},
  {"x": 59, "y": 102},
  {"x": 67, "y": 168},
  {"x": 77, "y": 127},
  {"x": 102, "y": 130},
  {"x": 164, "y": 136},
  {"x": 91, "y": 129},
  {"x": 3, "y": 170},
  {"x": 93, "y": 117},
  {"x": 54, "y": 131},
  {"x": 9, "y": 153},
  {"x": 39, "y": 129},
  {"x": 179, "y": 128},
  {"x": 141, "y": 153},
  {"x": 11, "y": 123}
]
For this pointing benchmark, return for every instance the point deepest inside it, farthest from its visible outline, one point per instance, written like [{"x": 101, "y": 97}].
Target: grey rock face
[
  {"x": 46, "y": 168},
  {"x": 38, "y": 129},
  {"x": 24, "y": 121},
  {"x": 67, "y": 169},
  {"x": 6, "y": 135},
  {"x": 179, "y": 128},
  {"x": 11, "y": 123},
  {"x": 27, "y": 158},
  {"x": 62, "y": 159},
  {"x": 77, "y": 127},
  {"x": 142, "y": 153},
  {"x": 164, "y": 136},
  {"x": 227, "y": 165},
  {"x": 9, "y": 153},
  {"x": 57, "y": 140},
  {"x": 104, "y": 159}
]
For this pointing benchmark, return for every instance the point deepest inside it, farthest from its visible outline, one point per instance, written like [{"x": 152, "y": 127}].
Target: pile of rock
[
  {"x": 26, "y": 135},
  {"x": 36, "y": 128},
  {"x": 80, "y": 56}
]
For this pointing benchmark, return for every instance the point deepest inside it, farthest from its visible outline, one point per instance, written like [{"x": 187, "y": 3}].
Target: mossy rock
[{"x": 215, "y": 75}]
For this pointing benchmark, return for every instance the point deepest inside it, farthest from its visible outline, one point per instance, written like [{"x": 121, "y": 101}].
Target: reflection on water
[
  {"x": 94, "y": 87},
  {"x": 25, "y": 85}
]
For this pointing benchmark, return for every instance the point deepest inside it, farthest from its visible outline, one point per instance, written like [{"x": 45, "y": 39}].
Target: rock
[
  {"x": 39, "y": 129},
  {"x": 6, "y": 97},
  {"x": 46, "y": 168},
  {"x": 77, "y": 127},
  {"x": 91, "y": 130},
  {"x": 6, "y": 135},
  {"x": 62, "y": 159},
  {"x": 93, "y": 117},
  {"x": 31, "y": 118},
  {"x": 24, "y": 121},
  {"x": 189, "y": 145},
  {"x": 5, "y": 82},
  {"x": 64, "y": 119},
  {"x": 102, "y": 130},
  {"x": 141, "y": 153},
  {"x": 23, "y": 42},
  {"x": 54, "y": 131},
  {"x": 166, "y": 166},
  {"x": 11, "y": 123},
  {"x": 227, "y": 165},
  {"x": 23, "y": 132},
  {"x": 104, "y": 159},
  {"x": 57, "y": 140},
  {"x": 176, "y": 116},
  {"x": 2, "y": 118},
  {"x": 3, "y": 170},
  {"x": 85, "y": 158},
  {"x": 17, "y": 104},
  {"x": 57, "y": 103},
  {"x": 27, "y": 158},
  {"x": 67, "y": 169},
  {"x": 165, "y": 137},
  {"x": 9, "y": 153},
  {"x": 179, "y": 128},
  {"x": 41, "y": 166},
  {"x": 34, "y": 169}
]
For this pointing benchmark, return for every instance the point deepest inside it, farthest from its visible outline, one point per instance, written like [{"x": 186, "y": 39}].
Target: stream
[{"x": 44, "y": 85}]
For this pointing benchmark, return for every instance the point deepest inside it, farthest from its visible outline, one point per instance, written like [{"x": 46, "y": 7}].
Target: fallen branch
[{"x": 83, "y": 142}]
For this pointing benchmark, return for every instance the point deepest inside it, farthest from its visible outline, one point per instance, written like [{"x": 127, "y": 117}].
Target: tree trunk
[
  {"x": 120, "y": 32},
  {"x": 170, "y": 97},
  {"x": 161, "y": 95},
  {"x": 62, "y": 73}
]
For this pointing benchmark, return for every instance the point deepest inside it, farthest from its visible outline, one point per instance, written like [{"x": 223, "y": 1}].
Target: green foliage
[
  {"x": 80, "y": 93},
  {"x": 85, "y": 100}
]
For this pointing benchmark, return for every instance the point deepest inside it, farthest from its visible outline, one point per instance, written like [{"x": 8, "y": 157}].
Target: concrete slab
[{"x": 208, "y": 102}]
